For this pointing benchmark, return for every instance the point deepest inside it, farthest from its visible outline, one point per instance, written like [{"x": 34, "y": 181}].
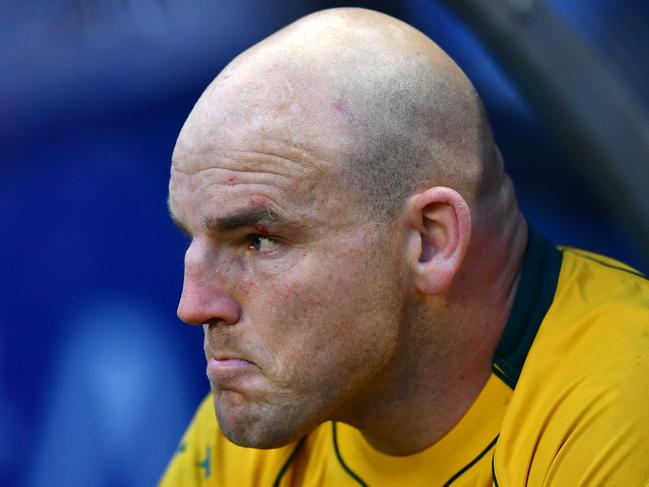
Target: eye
[{"x": 262, "y": 243}]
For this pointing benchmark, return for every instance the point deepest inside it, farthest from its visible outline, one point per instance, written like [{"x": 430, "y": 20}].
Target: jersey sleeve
[
  {"x": 579, "y": 413},
  {"x": 607, "y": 443},
  {"x": 598, "y": 426},
  {"x": 191, "y": 463},
  {"x": 593, "y": 431}
]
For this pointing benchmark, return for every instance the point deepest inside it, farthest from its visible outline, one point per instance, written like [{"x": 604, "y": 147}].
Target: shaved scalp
[
  {"x": 413, "y": 116},
  {"x": 381, "y": 100}
]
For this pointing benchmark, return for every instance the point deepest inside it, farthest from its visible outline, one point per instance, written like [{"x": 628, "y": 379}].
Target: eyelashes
[
  {"x": 255, "y": 243},
  {"x": 262, "y": 243}
]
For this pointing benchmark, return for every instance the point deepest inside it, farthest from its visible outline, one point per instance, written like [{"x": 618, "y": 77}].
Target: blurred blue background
[{"x": 98, "y": 376}]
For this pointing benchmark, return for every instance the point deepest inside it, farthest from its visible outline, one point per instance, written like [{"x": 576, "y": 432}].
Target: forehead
[
  {"x": 285, "y": 139},
  {"x": 252, "y": 152},
  {"x": 215, "y": 176},
  {"x": 272, "y": 99}
]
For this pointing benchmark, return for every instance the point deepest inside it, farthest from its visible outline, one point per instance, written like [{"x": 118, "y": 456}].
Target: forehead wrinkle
[
  {"x": 214, "y": 180},
  {"x": 255, "y": 160},
  {"x": 271, "y": 146},
  {"x": 196, "y": 169},
  {"x": 296, "y": 157},
  {"x": 247, "y": 167}
]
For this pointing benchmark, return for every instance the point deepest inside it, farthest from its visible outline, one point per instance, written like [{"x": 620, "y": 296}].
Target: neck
[{"x": 447, "y": 362}]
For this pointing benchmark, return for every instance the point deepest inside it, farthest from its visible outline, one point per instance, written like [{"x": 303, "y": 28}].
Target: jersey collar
[{"x": 536, "y": 289}]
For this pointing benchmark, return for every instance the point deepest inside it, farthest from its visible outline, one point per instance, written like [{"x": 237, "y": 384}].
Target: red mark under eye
[
  {"x": 261, "y": 228},
  {"x": 232, "y": 180}
]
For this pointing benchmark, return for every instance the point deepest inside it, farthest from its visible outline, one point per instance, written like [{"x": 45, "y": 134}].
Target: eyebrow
[{"x": 250, "y": 217}]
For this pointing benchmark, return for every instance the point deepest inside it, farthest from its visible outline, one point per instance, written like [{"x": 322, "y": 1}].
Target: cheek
[{"x": 324, "y": 317}]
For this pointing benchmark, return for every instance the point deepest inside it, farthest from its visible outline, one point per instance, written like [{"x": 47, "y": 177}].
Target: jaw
[{"x": 262, "y": 425}]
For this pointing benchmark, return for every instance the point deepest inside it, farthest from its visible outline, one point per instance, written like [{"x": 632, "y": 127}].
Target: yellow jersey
[{"x": 567, "y": 403}]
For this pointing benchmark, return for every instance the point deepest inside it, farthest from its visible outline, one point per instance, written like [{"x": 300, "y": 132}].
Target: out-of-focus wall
[{"x": 98, "y": 378}]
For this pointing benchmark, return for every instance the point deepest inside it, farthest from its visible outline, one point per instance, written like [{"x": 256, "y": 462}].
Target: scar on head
[{"x": 340, "y": 105}]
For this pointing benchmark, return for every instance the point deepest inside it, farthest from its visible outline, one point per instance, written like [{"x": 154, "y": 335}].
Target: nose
[{"x": 205, "y": 296}]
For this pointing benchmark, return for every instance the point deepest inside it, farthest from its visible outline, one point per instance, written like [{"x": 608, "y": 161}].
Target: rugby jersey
[{"x": 567, "y": 403}]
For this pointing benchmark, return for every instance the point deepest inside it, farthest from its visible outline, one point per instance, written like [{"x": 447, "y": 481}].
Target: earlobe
[{"x": 440, "y": 234}]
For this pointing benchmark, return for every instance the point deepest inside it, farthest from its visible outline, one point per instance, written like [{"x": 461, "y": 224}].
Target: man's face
[{"x": 298, "y": 291}]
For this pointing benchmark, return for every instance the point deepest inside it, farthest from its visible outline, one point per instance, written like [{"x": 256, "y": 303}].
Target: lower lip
[{"x": 227, "y": 367}]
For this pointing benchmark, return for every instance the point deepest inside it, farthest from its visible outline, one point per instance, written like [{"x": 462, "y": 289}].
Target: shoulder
[
  {"x": 591, "y": 281},
  {"x": 205, "y": 457},
  {"x": 599, "y": 315},
  {"x": 578, "y": 413}
]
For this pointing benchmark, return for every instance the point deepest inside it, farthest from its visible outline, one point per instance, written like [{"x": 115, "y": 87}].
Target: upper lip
[
  {"x": 224, "y": 355},
  {"x": 228, "y": 357},
  {"x": 219, "y": 349}
]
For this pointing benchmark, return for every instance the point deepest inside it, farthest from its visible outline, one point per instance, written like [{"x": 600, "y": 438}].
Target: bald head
[
  {"x": 380, "y": 103},
  {"x": 341, "y": 189}
]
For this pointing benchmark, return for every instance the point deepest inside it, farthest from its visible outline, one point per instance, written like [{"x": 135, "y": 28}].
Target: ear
[{"x": 439, "y": 234}]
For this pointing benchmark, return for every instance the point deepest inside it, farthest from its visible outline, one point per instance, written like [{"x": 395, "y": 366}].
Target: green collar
[{"x": 536, "y": 288}]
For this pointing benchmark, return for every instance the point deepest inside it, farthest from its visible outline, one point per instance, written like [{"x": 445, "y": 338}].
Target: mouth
[
  {"x": 223, "y": 370},
  {"x": 225, "y": 356},
  {"x": 228, "y": 362}
]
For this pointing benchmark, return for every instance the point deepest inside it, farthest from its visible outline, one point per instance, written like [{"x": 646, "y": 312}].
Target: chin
[{"x": 254, "y": 426}]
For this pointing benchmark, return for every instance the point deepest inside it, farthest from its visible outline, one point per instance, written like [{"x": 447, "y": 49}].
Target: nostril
[{"x": 216, "y": 323}]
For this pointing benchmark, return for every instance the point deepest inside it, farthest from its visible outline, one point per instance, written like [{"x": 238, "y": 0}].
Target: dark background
[{"x": 98, "y": 378}]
